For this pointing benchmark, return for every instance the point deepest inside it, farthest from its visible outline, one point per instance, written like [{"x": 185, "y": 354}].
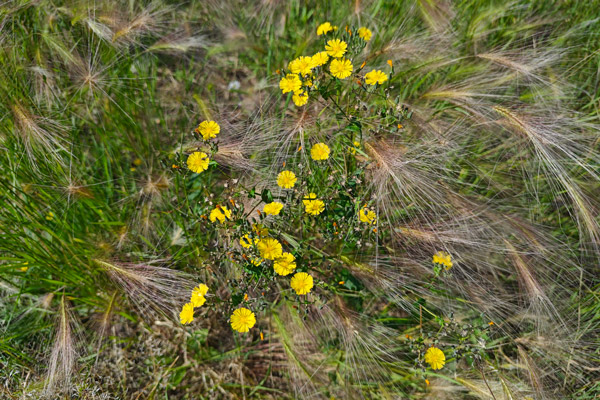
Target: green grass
[{"x": 99, "y": 99}]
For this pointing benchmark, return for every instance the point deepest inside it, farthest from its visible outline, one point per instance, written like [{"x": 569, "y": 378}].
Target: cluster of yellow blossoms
[
  {"x": 443, "y": 258},
  {"x": 197, "y": 300},
  {"x": 198, "y": 161},
  {"x": 301, "y": 75}
]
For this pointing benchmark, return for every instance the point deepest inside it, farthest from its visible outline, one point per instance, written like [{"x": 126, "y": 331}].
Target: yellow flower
[
  {"x": 242, "y": 320},
  {"x": 443, "y": 258},
  {"x": 301, "y": 65},
  {"x": 365, "y": 33},
  {"x": 302, "y": 283},
  {"x": 50, "y": 216},
  {"x": 273, "y": 208},
  {"x": 319, "y": 152},
  {"x": 313, "y": 206},
  {"x": 435, "y": 357},
  {"x": 324, "y": 28},
  {"x": 246, "y": 242},
  {"x": 208, "y": 129},
  {"x": 375, "y": 76},
  {"x": 285, "y": 264},
  {"x": 341, "y": 68},
  {"x": 290, "y": 83},
  {"x": 367, "y": 216},
  {"x": 320, "y": 58},
  {"x": 198, "y": 162},
  {"x": 300, "y": 98},
  {"x": 187, "y": 313},
  {"x": 336, "y": 48},
  {"x": 269, "y": 248},
  {"x": 198, "y": 294},
  {"x": 220, "y": 213},
  {"x": 286, "y": 179}
]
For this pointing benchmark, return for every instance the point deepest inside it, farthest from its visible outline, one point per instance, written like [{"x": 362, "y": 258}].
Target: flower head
[
  {"x": 320, "y": 58},
  {"x": 435, "y": 357},
  {"x": 324, "y": 28},
  {"x": 375, "y": 76},
  {"x": 273, "y": 208},
  {"x": 242, "y": 320},
  {"x": 341, "y": 68},
  {"x": 336, "y": 47},
  {"x": 312, "y": 205},
  {"x": 198, "y": 162},
  {"x": 443, "y": 258},
  {"x": 365, "y": 33},
  {"x": 290, "y": 83},
  {"x": 302, "y": 283},
  {"x": 270, "y": 248},
  {"x": 220, "y": 213},
  {"x": 300, "y": 98},
  {"x": 285, "y": 264},
  {"x": 286, "y": 179},
  {"x": 301, "y": 65},
  {"x": 208, "y": 129},
  {"x": 319, "y": 152},
  {"x": 367, "y": 216},
  {"x": 187, "y": 313},
  {"x": 198, "y": 294}
]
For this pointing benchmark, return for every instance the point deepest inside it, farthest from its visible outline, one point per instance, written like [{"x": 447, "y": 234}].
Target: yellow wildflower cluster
[
  {"x": 302, "y": 69},
  {"x": 198, "y": 161},
  {"x": 197, "y": 299},
  {"x": 443, "y": 258}
]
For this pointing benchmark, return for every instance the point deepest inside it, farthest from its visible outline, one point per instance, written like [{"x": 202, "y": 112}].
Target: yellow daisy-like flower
[
  {"x": 242, "y": 320},
  {"x": 246, "y": 242},
  {"x": 286, "y": 179},
  {"x": 365, "y": 34},
  {"x": 312, "y": 205},
  {"x": 198, "y": 294},
  {"x": 435, "y": 357},
  {"x": 273, "y": 208},
  {"x": 319, "y": 152},
  {"x": 285, "y": 264},
  {"x": 367, "y": 216},
  {"x": 302, "y": 283},
  {"x": 220, "y": 213},
  {"x": 270, "y": 248},
  {"x": 336, "y": 48},
  {"x": 290, "y": 83},
  {"x": 198, "y": 162},
  {"x": 320, "y": 58},
  {"x": 443, "y": 258},
  {"x": 376, "y": 76},
  {"x": 324, "y": 29},
  {"x": 301, "y": 65},
  {"x": 341, "y": 69},
  {"x": 208, "y": 129},
  {"x": 300, "y": 98},
  {"x": 187, "y": 313}
]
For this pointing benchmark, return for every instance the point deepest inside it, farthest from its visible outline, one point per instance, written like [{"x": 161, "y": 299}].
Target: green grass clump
[{"x": 483, "y": 143}]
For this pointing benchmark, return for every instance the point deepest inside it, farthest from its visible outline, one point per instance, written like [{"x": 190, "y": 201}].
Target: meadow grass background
[{"x": 97, "y": 99}]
